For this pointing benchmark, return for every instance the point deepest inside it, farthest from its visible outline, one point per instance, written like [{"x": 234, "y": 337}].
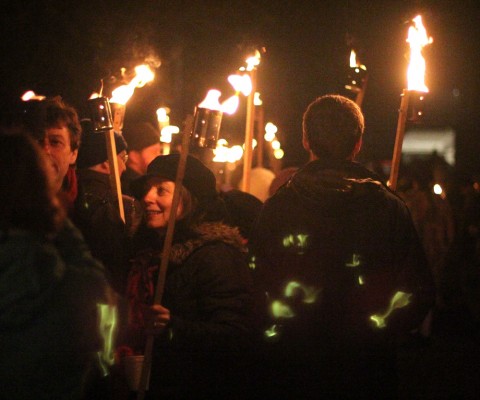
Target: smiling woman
[{"x": 205, "y": 319}]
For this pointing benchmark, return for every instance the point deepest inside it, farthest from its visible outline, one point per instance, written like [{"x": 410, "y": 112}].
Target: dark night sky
[{"x": 61, "y": 47}]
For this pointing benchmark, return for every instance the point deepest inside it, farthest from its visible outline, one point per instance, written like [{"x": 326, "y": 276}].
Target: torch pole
[
  {"x": 114, "y": 173},
  {"x": 118, "y": 116},
  {"x": 361, "y": 94},
  {"x": 162, "y": 273},
  {"x": 249, "y": 128},
  {"x": 260, "y": 139},
  {"x": 397, "y": 150}
]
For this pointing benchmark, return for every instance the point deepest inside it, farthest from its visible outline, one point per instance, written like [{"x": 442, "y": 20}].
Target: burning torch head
[
  {"x": 355, "y": 78},
  {"x": 206, "y": 127},
  {"x": 100, "y": 114}
]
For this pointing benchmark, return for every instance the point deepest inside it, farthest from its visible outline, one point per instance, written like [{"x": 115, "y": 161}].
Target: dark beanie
[
  {"x": 140, "y": 135},
  {"x": 198, "y": 179},
  {"x": 93, "y": 148}
]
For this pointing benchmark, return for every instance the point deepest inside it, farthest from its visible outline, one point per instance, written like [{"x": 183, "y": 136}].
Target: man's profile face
[{"x": 58, "y": 147}]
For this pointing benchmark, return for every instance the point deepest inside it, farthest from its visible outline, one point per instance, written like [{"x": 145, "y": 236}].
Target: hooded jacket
[
  {"x": 344, "y": 274},
  {"x": 49, "y": 290}
]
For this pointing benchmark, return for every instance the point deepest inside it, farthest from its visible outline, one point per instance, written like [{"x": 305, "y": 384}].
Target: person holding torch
[{"x": 203, "y": 324}]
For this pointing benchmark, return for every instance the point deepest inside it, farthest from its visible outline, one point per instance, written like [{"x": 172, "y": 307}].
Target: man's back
[{"x": 344, "y": 274}]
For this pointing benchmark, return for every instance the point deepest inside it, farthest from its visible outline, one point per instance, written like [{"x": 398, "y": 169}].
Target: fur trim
[{"x": 208, "y": 232}]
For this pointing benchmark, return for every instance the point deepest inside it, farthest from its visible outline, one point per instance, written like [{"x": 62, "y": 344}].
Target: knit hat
[
  {"x": 140, "y": 135},
  {"x": 198, "y": 179},
  {"x": 93, "y": 148}
]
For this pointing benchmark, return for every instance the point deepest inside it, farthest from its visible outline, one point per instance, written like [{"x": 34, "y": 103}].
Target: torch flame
[
  {"x": 230, "y": 105},
  {"x": 211, "y": 100},
  {"x": 257, "y": 100},
  {"x": 417, "y": 38},
  {"x": 122, "y": 94},
  {"x": 241, "y": 83},
  {"x": 30, "y": 95},
  {"x": 143, "y": 75},
  {"x": 353, "y": 61},
  {"x": 253, "y": 61}
]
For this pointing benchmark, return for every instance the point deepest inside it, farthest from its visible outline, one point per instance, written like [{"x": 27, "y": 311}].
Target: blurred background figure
[
  {"x": 96, "y": 207},
  {"x": 49, "y": 283},
  {"x": 143, "y": 140}
]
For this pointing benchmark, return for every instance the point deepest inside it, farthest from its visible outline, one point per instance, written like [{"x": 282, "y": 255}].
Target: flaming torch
[
  {"x": 357, "y": 78},
  {"x": 203, "y": 128},
  {"x": 252, "y": 63},
  {"x": 102, "y": 121},
  {"x": 121, "y": 95},
  {"x": 415, "y": 92}
]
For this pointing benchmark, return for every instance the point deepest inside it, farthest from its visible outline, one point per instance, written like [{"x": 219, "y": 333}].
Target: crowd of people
[{"x": 308, "y": 292}]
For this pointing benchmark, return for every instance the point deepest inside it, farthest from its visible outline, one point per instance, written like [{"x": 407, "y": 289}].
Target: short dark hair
[
  {"x": 333, "y": 125},
  {"x": 58, "y": 114}
]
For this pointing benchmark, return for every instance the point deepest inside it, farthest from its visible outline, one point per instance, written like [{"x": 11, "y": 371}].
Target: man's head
[
  {"x": 92, "y": 153},
  {"x": 333, "y": 127},
  {"x": 143, "y": 144},
  {"x": 59, "y": 135}
]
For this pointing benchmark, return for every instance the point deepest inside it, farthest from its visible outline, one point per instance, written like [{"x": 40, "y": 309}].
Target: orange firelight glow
[{"x": 418, "y": 39}]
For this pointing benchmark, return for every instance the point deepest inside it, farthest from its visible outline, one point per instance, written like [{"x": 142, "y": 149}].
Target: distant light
[
  {"x": 437, "y": 189},
  {"x": 456, "y": 92},
  {"x": 278, "y": 154},
  {"x": 275, "y": 144}
]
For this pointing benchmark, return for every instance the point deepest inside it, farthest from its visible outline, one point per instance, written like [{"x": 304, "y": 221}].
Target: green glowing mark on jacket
[
  {"x": 252, "y": 262},
  {"x": 271, "y": 332},
  {"x": 108, "y": 324},
  {"x": 399, "y": 300},
  {"x": 281, "y": 310},
  {"x": 309, "y": 293},
  {"x": 360, "y": 280},
  {"x": 299, "y": 241},
  {"x": 355, "y": 261}
]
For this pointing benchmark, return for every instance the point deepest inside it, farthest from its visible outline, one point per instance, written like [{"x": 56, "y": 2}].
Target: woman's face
[{"x": 157, "y": 203}]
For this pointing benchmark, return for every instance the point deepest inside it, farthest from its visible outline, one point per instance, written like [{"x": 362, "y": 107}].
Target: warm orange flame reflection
[{"x": 418, "y": 39}]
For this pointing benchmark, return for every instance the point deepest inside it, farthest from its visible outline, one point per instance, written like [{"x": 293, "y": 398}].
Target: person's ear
[
  {"x": 305, "y": 143},
  {"x": 357, "y": 148},
  {"x": 73, "y": 157}
]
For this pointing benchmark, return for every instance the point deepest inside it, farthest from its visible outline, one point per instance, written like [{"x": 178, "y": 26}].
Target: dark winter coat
[
  {"x": 49, "y": 332},
  {"x": 345, "y": 275},
  {"x": 208, "y": 292},
  {"x": 98, "y": 218}
]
